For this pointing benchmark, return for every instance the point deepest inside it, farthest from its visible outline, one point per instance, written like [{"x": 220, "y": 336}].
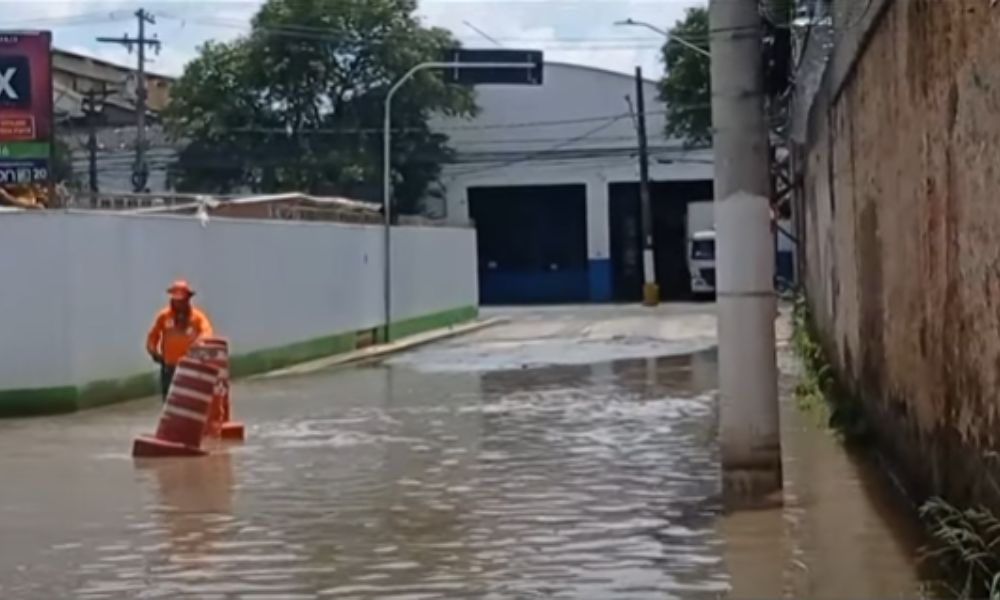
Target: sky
[{"x": 574, "y": 31}]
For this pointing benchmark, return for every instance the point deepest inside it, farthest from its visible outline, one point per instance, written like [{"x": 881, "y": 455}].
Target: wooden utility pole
[
  {"x": 650, "y": 290},
  {"x": 140, "y": 171},
  {"x": 749, "y": 433},
  {"x": 93, "y": 106}
]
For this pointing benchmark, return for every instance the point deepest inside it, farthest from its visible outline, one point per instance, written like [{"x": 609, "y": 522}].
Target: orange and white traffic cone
[
  {"x": 185, "y": 413},
  {"x": 221, "y": 425}
]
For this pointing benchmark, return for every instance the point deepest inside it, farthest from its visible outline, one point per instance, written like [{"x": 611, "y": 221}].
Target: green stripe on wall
[
  {"x": 408, "y": 327},
  {"x": 38, "y": 401},
  {"x": 262, "y": 361},
  {"x": 64, "y": 399}
]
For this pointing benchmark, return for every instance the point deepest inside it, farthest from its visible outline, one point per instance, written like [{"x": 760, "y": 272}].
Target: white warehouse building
[{"x": 549, "y": 176}]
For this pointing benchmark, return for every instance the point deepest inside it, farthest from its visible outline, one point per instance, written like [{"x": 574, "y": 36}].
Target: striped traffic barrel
[
  {"x": 215, "y": 351},
  {"x": 185, "y": 412},
  {"x": 220, "y": 424}
]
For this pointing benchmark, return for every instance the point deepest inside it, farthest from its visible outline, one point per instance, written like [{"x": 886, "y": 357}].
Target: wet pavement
[{"x": 570, "y": 453}]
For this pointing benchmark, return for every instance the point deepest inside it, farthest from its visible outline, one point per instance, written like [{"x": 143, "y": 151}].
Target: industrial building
[{"x": 549, "y": 176}]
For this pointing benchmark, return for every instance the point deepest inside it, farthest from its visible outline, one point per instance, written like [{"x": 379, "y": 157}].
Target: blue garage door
[{"x": 532, "y": 243}]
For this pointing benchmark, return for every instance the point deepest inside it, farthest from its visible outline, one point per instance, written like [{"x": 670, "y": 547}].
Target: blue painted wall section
[
  {"x": 599, "y": 271},
  {"x": 532, "y": 286}
]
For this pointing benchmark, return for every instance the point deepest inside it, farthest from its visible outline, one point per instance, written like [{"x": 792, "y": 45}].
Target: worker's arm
[
  {"x": 154, "y": 337},
  {"x": 203, "y": 326}
]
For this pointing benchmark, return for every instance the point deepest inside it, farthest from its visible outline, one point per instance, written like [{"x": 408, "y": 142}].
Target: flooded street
[{"x": 569, "y": 453}]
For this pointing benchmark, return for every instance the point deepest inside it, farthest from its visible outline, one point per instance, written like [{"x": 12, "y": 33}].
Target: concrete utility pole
[
  {"x": 140, "y": 171},
  {"x": 650, "y": 290},
  {"x": 749, "y": 432}
]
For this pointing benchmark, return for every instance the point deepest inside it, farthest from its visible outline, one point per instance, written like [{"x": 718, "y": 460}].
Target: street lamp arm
[
  {"x": 387, "y": 121},
  {"x": 387, "y": 162},
  {"x": 666, "y": 34}
]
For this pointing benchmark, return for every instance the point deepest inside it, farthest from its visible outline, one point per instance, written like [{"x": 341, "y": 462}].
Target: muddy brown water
[{"x": 405, "y": 481}]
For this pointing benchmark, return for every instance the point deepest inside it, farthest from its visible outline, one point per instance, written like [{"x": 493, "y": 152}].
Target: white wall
[
  {"x": 574, "y": 129},
  {"x": 574, "y": 102},
  {"x": 80, "y": 289},
  {"x": 433, "y": 269}
]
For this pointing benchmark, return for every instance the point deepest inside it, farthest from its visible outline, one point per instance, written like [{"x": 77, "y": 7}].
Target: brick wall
[{"x": 902, "y": 194}]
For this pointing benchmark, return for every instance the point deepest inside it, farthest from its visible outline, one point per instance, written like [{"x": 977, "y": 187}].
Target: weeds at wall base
[
  {"x": 964, "y": 544},
  {"x": 819, "y": 392}
]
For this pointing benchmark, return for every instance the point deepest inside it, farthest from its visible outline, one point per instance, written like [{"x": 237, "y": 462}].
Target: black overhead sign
[{"x": 472, "y": 75}]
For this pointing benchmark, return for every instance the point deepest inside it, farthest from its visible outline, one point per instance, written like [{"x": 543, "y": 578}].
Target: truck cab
[{"x": 701, "y": 262}]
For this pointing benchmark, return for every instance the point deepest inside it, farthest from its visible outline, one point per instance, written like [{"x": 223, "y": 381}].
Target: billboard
[{"x": 25, "y": 106}]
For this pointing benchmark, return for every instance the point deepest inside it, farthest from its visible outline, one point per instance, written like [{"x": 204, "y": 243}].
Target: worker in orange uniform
[{"x": 174, "y": 330}]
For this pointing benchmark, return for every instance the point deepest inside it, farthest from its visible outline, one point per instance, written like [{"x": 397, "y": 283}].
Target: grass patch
[
  {"x": 964, "y": 544},
  {"x": 818, "y": 391}
]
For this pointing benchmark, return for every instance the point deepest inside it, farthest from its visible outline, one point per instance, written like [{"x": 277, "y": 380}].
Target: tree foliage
[
  {"x": 686, "y": 86},
  {"x": 298, "y": 103}
]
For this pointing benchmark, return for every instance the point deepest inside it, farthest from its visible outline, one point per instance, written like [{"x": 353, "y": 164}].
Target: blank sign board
[{"x": 493, "y": 74}]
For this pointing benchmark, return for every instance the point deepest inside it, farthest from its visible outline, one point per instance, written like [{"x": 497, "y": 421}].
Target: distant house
[{"x": 74, "y": 76}]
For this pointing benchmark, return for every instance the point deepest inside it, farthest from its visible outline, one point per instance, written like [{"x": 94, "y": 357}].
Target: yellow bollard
[{"x": 650, "y": 294}]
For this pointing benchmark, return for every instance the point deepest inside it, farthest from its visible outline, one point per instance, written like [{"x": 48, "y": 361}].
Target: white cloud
[{"x": 577, "y": 31}]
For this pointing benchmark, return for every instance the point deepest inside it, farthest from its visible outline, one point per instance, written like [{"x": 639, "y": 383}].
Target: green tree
[
  {"x": 297, "y": 104},
  {"x": 686, "y": 86}
]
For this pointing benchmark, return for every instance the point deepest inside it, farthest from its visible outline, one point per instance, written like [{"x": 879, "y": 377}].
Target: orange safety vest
[{"x": 170, "y": 341}]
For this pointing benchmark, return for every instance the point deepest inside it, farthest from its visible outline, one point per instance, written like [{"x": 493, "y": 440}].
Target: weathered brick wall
[{"x": 902, "y": 244}]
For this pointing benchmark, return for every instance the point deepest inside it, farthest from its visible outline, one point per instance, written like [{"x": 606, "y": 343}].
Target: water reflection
[{"x": 193, "y": 496}]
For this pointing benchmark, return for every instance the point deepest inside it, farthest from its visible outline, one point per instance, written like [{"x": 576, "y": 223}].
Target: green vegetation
[
  {"x": 297, "y": 104},
  {"x": 819, "y": 391},
  {"x": 964, "y": 544},
  {"x": 686, "y": 87}
]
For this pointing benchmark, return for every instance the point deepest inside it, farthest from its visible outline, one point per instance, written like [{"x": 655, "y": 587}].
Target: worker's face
[{"x": 180, "y": 306}]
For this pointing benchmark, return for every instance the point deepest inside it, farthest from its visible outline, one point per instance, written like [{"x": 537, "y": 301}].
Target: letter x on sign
[{"x": 15, "y": 82}]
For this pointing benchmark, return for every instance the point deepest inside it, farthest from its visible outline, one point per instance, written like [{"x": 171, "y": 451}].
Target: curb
[{"x": 382, "y": 350}]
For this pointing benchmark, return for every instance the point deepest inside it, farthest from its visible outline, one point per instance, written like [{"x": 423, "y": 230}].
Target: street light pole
[
  {"x": 683, "y": 42},
  {"x": 387, "y": 161}
]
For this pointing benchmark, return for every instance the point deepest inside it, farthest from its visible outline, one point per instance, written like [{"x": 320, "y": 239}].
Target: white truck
[{"x": 701, "y": 247}]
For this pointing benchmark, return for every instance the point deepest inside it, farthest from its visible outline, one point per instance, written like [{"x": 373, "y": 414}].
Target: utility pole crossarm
[{"x": 140, "y": 171}]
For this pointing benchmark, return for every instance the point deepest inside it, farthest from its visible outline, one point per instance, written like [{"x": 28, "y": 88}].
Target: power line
[
  {"x": 456, "y": 128},
  {"x": 558, "y": 146}
]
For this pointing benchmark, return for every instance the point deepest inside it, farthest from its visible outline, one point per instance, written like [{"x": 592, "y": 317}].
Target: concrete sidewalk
[{"x": 382, "y": 350}]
